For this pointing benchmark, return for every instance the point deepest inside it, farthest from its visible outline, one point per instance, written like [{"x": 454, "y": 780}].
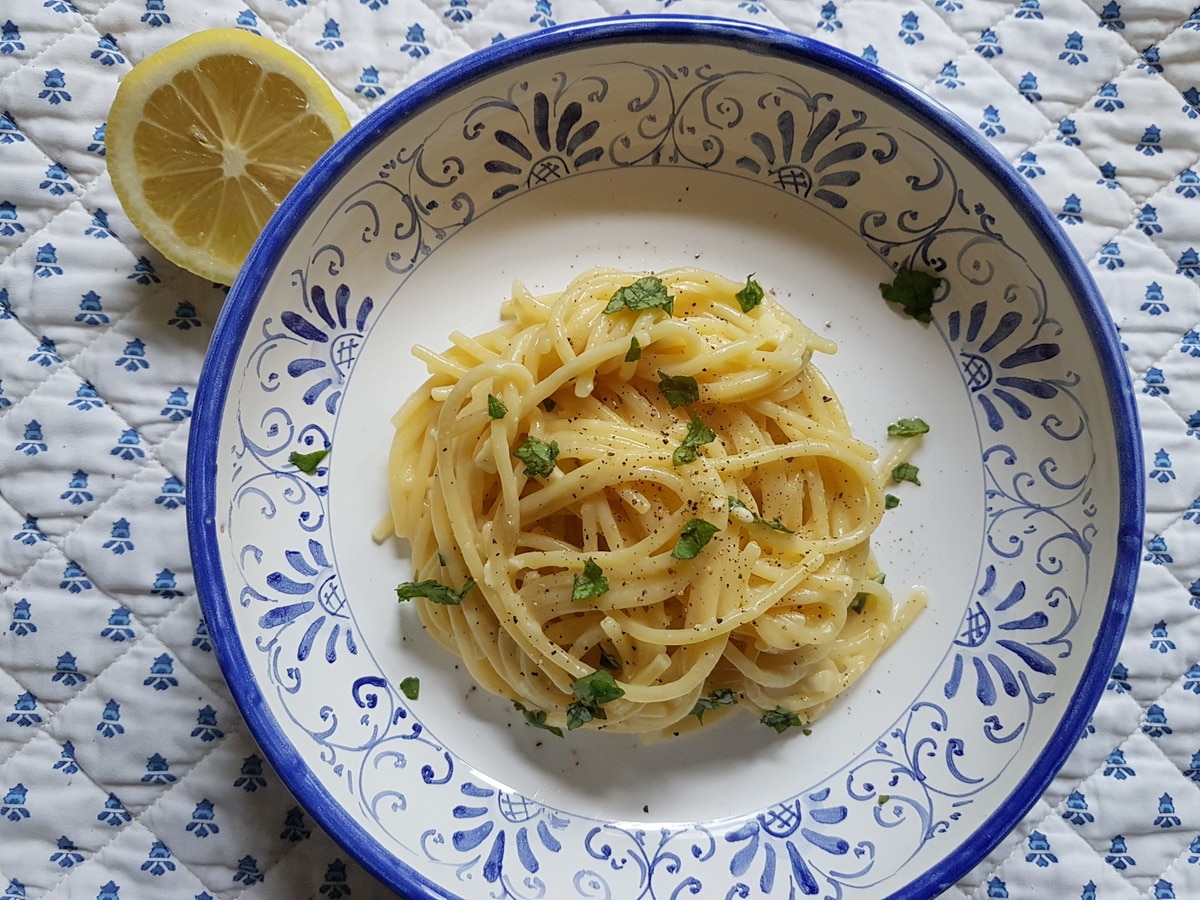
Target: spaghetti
[{"x": 639, "y": 500}]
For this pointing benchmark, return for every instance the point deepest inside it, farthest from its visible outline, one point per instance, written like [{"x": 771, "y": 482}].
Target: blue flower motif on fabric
[
  {"x": 91, "y": 310},
  {"x": 66, "y": 671},
  {"x": 1150, "y": 61},
  {"x": 45, "y": 263},
  {"x": 10, "y": 224},
  {"x": 206, "y": 725},
  {"x": 414, "y": 42},
  {"x": 251, "y": 777},
  {"x": 119, "y": 628},
  {"x": 185, "y": 317},
  {"x": 159, "y": 861},
  {"x": 67, "y": 855},
  {"x": 1072, "y": 210},
  {"x": 368, "y": 84},
  {"x": 162, "y": 673},
  {"x": 294, "y": 827},
  {"x": 1151, "y": 142},
  {"x": 1157, "y": 551},
  {"x": 948, "y": 77},
  {"x": 1040, "y": 853},
  {"x": 158, "y": 771},
  {"x": 10, "y": 38},
  {"x": 107, "y": 53},
  {"x": 97, "y": 143},
  {"x": 9, "y": 132},
  {"x": 25, "y": 714},
  {"x": 171, "y": 495},
  {"x": 990, "y": 125},
  {"x": 203, "y": 821},
  {"x": 1167, "y": 817},
  {"x": 331, "y": 36},
  {"x": 336, "y": 884},
  {"x": 543, "y": 14},
  {"x": 458, "y": 12},
  {"x": 829, "y": 17},
  {"x": 54, "y": 90},
  {"x": 143, "y": 272},
  {"x": 165, "y": 586},
  {"x": 1118, "y": 854},
  {"x": 120, "y": 540},
  {"x": 988, "y": 45},
  {"x": 156, "y": 14},
  {"x": 1072, "y": 52},
  {"x": 110, "y": 720},
  {"x": 1110, "y": 16},
  {"x": 1029, "y": 9},
  {"x": 1076, "y": 809},
  {"x": 246, "y": 19},
  {"x": 1154, "y": 725},
  {"x": 247, "y": 872},
  {"x": 114, "y": 813},
  {"x": 22, "y": 619},
  {"x": 46, "y": 353},
  {"x": 910, "y": 29},
  {"x": 12, "y": 804}
]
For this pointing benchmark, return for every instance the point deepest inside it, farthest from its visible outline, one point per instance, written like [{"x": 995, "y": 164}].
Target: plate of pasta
[{"x": 665, "y": 456}]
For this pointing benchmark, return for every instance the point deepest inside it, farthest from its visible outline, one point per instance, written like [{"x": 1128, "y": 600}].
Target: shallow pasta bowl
[{"x": 650, "y": 143}]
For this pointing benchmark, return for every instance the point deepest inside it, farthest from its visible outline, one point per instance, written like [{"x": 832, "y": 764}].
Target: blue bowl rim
[{"x": 235, "y": 316}]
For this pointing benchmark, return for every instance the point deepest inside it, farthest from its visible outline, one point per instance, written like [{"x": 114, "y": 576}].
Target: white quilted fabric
[{"x": 126, "y": 771}]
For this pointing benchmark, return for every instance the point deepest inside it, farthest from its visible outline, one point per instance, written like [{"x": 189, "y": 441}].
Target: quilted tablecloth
[{"x": 125, "y": 769}]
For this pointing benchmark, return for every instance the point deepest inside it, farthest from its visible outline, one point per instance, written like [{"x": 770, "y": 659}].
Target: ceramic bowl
[{"x": 649, "y": 143}]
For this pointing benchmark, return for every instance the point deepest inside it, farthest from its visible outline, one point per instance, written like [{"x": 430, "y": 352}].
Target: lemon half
[{"x": 206, "y": 137}]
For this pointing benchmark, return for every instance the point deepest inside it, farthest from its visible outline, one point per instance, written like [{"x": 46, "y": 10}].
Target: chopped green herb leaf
[
  {"x": 913, "y": 290},
  {"x": 599, "y": 687},
  {"x": 411, "y": 687},
  {"x": 781, "y": 719},
  {"x": 719, "y": 697},
  {"x": 645, "y": 293},
  {"x": 549, "y": 403},
  {"x": 496, "y": 407},
  {"x": 751, "y": 295},
  {"x": 905, "y": 472},
  {"x": 680, "y": 390},
  {"x": 308, "y": 462},
  {"x": 735, "y": 503},
  {"x": 696, "y": 533},
  {"x": 537, "y": 455},
  {"x": 860, "y": 602},
  {"x": 884, "y": 798},
  {"x": 580, "y": 713},
  {"x": 907, "y": 428},
  {"x": 537, "y": 718},
  {"x": 635, "y": 350},
  {"x": 697, "y": 434},
  {"x": 433, "y": 591},
  {"x": 890, "y": 501},
  {"x": 441, "y": 559},
  {"x": 591, "y": 583}
]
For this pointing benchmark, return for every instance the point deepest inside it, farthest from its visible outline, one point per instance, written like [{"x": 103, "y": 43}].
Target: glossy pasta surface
[{"x": 667, "y": 495}]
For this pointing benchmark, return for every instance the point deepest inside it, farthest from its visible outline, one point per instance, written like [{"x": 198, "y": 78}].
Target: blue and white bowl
[{"x": 649, "y": 143}]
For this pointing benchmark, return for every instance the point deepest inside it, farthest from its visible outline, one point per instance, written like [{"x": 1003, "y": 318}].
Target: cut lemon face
[{"x": 206, "y": 137}]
